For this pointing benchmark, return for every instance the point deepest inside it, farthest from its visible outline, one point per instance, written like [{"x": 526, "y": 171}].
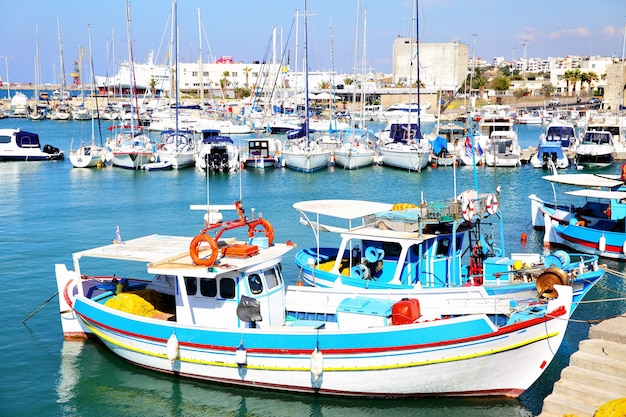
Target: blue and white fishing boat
[
  {"x": 218, "y": 309},
  {"x": 560, "y": 135},
  {"x": 19, "y": 145},
  {"x": 412, "y": 249},
  {"x": 594, "y": 224}
]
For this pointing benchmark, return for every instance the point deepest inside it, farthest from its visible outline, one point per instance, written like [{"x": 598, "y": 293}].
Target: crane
[{"x": 76, "y": 74}]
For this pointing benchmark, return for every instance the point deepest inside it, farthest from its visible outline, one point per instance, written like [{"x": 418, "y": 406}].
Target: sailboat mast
[
  {"x": 175, "y": 57},
  {"x": 306, "y": 76},
  {"x": 417, "y": 60},
  {"x": 36, "y": 66},
  {"x": 62, "y": 81},
  {"x": 130, "y": 72},
  {"x": 201, "y": 71}
]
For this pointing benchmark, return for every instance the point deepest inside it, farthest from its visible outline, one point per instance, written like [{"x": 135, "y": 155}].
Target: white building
[
  {"x": 443, "y": 66},
  {"x": 225, "y": 72}
]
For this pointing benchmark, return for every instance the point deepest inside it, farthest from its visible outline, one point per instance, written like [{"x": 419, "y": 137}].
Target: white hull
[
  {"x": 306, "y": 160},
  {"x": 87, "y": 157},
  {"x": 178, "y": 160},
  {"x": 131, "y": 159},
  {"x": 353, "y": 158},
  {"x": 404, "y": 157}
]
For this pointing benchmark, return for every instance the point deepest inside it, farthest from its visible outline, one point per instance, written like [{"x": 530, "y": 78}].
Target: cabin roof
[
  {"x": 610, "y": 195},
  {"x": 586, "y": 180},
  {"x": 170, "y": 254},
  {"x": 342, "y": 209}
]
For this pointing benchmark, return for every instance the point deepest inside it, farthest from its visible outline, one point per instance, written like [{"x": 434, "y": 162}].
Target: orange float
[
  {"x": 194, "y": 249},
  {"x": 269, "y": 229}
]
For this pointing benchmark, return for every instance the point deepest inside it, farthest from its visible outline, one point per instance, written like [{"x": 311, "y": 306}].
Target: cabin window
[
  {"x": 272, "y": 278},
  {"x": 255, "y": 283},
  {"x": 443, "y": 246},
  {"x": 208, "y": 287},
  {"x": 192, "y": 285},
  {"x": 5, "y": 139},
  {"x": 227, "y": 288}
]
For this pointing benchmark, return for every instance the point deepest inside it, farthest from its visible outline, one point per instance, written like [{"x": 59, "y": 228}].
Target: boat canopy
[
  {"x": 439, "y": 144},
  {"x": 342, "y": 209},
  {"x": 27, "y": 139},
  {"x": 586, "y": 180},
  {"x": 609, "y": 195},
  {"x": 402, "y": 131},
  {"x": 217, "y": 139}
]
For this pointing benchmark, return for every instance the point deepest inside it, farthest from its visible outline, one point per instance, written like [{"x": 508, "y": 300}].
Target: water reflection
[{"x": 93, "y": 381}]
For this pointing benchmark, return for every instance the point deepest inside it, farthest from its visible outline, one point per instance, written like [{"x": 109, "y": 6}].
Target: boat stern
[{"x": 66, "y": 285}]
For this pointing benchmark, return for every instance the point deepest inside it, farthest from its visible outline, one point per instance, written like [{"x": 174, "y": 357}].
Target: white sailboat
[
  {"x": 301, "y": 153},
  {"x": 89, "y": 155},
  {"x": 403, "y": 145},
  {"x": 61, "y": 110},
  {"x": 40, "y": 110},
  {"x": 176, "y": 147},
  {"x": 130, "y": 148},
  {"x": 357, "y": 150}
]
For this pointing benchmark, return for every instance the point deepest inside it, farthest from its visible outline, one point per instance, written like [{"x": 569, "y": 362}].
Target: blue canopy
[
  {"x": 401, "y": 131},
  {"x": 27, "y": 139},
  {"x": 439, "y": 144}
]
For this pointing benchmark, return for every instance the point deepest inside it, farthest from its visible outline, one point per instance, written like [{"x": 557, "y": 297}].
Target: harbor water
[{"x": 48, "y": 210}]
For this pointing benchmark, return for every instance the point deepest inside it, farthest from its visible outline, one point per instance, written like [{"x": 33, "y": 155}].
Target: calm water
[{"x": 49, "y": 210}]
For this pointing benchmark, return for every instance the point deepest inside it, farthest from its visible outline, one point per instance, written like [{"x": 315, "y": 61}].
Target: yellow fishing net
[{"x": 145, "y": 303}]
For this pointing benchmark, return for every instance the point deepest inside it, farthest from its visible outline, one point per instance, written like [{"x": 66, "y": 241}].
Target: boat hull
[
  {"x": 353, "y": 159},
  {"x": 131, "y": 159},
  {"x": 380, "y": 362},
  {"x": 87, "y": 157},
  {"x": 306, "y": 161},
  {"x": 412, "y": 160}
]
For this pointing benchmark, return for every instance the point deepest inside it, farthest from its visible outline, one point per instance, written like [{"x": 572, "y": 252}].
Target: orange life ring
[
  {"x": 269, "y": 230},
  {"x": 194, "y": 249}
]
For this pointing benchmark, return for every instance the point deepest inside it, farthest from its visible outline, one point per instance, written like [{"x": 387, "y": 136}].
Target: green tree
[
  {"x": 521, "y": 92},
  {"x": 348, "y": 81},
  {"x": 547, "y": 90},
  {"x": 500, "y": 83}
]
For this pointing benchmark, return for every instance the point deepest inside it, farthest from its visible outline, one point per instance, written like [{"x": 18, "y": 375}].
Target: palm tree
[
  {"x": 152, "y": 83},
  {"x": 247, "y": 70},
  {"x": 589, "y": 78},
  {"x": 224, "y": 81},
  {"x": 572, "y": 77}
]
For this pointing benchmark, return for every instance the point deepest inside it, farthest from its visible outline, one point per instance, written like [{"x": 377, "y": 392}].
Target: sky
[{"x": 242, "y": 29}]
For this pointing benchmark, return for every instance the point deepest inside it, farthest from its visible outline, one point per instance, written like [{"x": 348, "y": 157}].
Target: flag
[
  {"x": 118, "y": 236},
  {"x": 468, "y": 147}
]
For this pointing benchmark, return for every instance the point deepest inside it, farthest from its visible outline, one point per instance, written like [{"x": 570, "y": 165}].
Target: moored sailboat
[{"x": 89, "y": 155}]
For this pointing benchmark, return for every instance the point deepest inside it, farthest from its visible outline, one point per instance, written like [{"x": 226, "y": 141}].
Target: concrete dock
[{"x": 596, "y": 373}]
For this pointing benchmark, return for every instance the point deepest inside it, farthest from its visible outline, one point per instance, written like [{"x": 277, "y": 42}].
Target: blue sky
[{"x": 242, "y": 29}]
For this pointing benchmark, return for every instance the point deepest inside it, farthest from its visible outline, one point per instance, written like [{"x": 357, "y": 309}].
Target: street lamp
[{"x": 6, "y": 65}]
